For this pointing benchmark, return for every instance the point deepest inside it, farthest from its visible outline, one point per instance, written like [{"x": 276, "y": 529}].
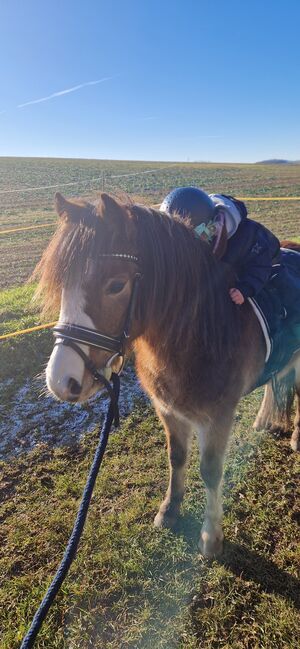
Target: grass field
[{"x": 132, "y": 586}]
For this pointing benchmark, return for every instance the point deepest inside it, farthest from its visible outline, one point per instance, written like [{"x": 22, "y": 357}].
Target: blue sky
[{"x": 199, "y": 80}]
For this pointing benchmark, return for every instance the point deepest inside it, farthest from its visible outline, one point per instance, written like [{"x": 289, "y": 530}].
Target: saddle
[{"x": 279, "y": 316}]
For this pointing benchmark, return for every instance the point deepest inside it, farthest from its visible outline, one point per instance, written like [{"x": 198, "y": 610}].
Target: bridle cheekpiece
[{"x": 70, "y": 334}]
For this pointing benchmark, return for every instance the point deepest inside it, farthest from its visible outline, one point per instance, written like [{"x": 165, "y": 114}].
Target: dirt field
[{"x": 20, "y": 251}]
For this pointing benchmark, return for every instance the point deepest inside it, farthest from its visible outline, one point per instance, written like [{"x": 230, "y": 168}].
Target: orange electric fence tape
[
  {"x": 268, "y": 198},
  {"x": 47, "y": 225},
  {"x": 27, "y": 331},
  {"x": 28, "y": 227},
  {"x": 241, "y": 198},
  {"x": 257, "y": 198},
  {"x": 260, "y": 198}
]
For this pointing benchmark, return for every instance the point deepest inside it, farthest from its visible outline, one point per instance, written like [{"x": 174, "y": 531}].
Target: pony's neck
[{"x": 185, "y": 301}]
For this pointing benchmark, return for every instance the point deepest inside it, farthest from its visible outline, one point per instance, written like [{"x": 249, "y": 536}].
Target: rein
[
  {"x": 70, "y": 335},
  {"x": 71, "y": 549}
]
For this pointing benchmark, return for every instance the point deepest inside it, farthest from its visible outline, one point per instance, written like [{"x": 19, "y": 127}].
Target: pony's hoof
[
  {"x": 295, "y": 442},
  {"x": 211, "y": 545},
  {"x": 260, "y": 424},
  {"x": 163, "y": 519}
]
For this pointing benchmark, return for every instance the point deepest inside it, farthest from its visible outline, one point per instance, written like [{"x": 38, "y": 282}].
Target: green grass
[
  {"x": 17, "y": 308},
  {"x": 22, "y": 356},
  {"x": 132, "y": 587}
]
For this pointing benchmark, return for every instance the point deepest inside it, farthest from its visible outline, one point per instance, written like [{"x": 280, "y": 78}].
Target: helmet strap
[{"x": 220, "y": 242}]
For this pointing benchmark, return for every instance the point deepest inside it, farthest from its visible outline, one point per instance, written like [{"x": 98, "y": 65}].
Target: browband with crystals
[{"x": 120, "y": 255}]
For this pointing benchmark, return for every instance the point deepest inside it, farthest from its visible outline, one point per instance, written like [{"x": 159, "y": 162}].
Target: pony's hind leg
[
  {"x": 263, "y": 419},
  {"x": 179, "y": 434},
  {"x": 276, "y": 409},
  {"x": 295, "y": 439},
  {"x": 212, "y": 442}
]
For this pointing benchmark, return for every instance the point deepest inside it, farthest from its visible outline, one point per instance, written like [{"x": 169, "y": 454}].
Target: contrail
[{"x": 66, "y": 92}]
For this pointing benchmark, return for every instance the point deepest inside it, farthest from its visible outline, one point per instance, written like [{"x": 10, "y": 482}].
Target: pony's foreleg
[
  {"x": 212, "y": 442},
  {"x": 179, "y": 435}
]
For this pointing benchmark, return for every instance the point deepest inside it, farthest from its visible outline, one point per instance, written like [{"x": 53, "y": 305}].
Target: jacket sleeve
[{"x": 255, "y": 269}]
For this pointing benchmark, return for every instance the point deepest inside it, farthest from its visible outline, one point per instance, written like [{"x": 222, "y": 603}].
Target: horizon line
[{"x": 272, "y": 161}]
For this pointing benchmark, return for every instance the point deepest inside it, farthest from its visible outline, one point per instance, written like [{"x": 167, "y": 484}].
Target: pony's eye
[{"x": 115, "y": 287}]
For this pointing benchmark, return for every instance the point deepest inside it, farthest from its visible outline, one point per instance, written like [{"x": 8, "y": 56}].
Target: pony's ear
[
  {"x": 117, "y": 218},
  {"x": 62, "y": 206},
  {"x": 111, "y": 208},
  {"x": 69, "y": 210}
]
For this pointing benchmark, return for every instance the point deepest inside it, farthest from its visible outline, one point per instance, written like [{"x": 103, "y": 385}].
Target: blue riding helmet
[{"x": 190, "y": 202}]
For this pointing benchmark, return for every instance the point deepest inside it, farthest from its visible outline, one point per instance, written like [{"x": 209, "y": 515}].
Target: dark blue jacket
[
  {"x": 252, "y": 251},
  {"x": 255, "y": 255}
]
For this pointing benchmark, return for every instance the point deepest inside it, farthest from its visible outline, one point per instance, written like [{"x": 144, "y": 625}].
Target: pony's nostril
[{"x": 74, "y": 387}]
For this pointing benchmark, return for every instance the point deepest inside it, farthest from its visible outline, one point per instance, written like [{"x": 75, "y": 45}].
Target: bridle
[{"x": 71, "y": 334}]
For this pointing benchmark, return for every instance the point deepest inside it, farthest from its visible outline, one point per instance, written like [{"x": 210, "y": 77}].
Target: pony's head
[{"x": 87, "y": 272}]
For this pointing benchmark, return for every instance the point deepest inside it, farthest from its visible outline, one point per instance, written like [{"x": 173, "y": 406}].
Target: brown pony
[{"x": 196, "y": 352}]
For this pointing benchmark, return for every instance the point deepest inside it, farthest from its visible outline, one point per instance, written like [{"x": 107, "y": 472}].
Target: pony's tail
[{"x": 276, "y": 408}]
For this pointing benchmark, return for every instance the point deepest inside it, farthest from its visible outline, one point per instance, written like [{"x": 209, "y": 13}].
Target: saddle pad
[
  {"x": 282, "y": 339},
  {"x": 264, "y": 326}
]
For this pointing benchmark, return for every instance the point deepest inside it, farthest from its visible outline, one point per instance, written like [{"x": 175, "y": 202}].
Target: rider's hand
[{"x": 236, "y": 296}]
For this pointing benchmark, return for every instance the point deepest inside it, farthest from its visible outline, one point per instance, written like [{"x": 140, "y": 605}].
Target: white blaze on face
[{"x": 64, "y": 362}]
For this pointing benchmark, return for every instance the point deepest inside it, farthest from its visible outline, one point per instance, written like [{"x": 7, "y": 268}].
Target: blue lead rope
[{"x": 70, "y": 552}]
